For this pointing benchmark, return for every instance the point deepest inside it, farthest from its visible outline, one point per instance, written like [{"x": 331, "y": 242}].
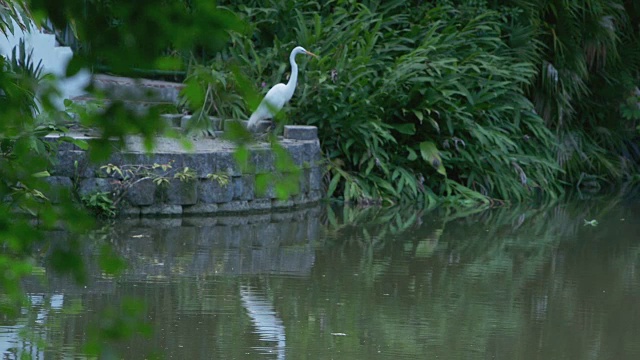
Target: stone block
[
  {"x": 281, "y": 204},
  {"x": 300, "y": 132},
  {"x": 65, "y": 164},
  {"x": 224, "y": 163},
  {"x": 314, "y": 178},
  {"x": 141, "y": 193},
  {"x": 129, "y": 211},
  {"x": 211, "y": 192},
  {"x": 234, "y": 206},
  {"x": 161, "y": 194},
  {"x": 262, "y": 161},
  {"x": 95, "y": 185},
  {"x": 303, "y": 181},
  {"x": 135, "y": 89},
  {"x": 260, "y": 204},
  {"x": 202, "y": 163},
  {"x": 132, "y": 158},
  {"x": 60, "y": 188},
  {"x": 315, "y": 195},
  {"x": 138, "y": 158},
  {"x": 244, "y": 187},
  {"x": 300, "y": 199},
  {"x": 175, "y": 160},
  {"x": 161, "y": 210},
  {"x": 268, "y": 192},
  {"x": 296, "y": 151},
  {"x": 182, "y": 192},
  {"x": 312, "y": 153},
  {"x": 200, "y": 209},
  {"x": 282, "y": 184},
  {"x": 117, "y": 159}
]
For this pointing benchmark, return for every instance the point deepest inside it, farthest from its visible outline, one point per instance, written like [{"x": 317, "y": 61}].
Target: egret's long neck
[{"x": 293, "y": 79}]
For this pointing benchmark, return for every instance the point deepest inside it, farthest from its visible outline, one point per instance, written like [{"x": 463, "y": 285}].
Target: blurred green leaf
[{"x": 430, "y": 154}]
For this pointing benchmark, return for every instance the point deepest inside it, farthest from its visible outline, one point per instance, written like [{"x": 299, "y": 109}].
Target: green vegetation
[
  {"x": 466, "y": 101},
  {"x": 25, "y": 157},
  {"x": 457, "y": 101},
  {"x": 100, "y": 204}
]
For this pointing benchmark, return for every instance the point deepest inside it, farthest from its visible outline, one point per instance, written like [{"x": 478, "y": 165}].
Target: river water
[{"x": 553, "y": 282}]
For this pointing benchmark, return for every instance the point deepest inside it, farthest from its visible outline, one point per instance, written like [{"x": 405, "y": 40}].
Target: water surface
[{"x": 512, "y": 283}]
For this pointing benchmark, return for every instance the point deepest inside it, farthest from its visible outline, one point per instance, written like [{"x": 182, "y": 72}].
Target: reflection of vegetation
[
  {"x": 484, "y": 284},
  {"x": 501, "y": 283}
]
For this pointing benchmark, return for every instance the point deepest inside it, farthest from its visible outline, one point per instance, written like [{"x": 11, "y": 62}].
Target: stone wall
[{"x": 202, "y": 194}]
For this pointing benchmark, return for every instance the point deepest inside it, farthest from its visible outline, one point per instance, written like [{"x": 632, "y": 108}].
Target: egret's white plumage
[{"x": 279, "y": 94}]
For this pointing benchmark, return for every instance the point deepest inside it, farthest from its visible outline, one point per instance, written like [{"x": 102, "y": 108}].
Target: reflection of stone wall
[
  {"x": 169, "y": 248},
  {"x": 202, "y": 195},
  {"x": 278, "y": 243}
]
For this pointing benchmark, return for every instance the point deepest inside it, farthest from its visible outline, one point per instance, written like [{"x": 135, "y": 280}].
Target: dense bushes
[
  {"x": 460, "y": 97},
  {"x": 586, "y": 87},
  {"x": 413, "y": 101}
]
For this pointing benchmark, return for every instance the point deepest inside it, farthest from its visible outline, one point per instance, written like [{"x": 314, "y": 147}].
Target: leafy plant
[
  {"x": 214, "y": 95},
  {"x": 221, "y": 179},
  {"x": 100, "y": 204},
  {"x": 409, "y": 98},
  {"x": 185, "y": 175},
  {"x": 587, "y": 72},
  {"x": 128, "y": 175}
]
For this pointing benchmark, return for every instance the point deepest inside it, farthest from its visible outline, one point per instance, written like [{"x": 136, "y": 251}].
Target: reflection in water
[
  {"x": 268, "y": 325},
  {"x": 16, "y": 341},
  {"x": 234, "y": 246},
  {"x": 511, "y": 283}
]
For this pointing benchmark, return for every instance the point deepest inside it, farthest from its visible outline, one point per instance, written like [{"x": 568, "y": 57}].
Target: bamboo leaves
[
  {"x": 407, "y": 93},
  {"x": 430, "y": 154}
]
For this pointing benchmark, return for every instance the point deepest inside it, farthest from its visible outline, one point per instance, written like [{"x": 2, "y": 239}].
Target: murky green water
[{"x": 517, "y": 283}]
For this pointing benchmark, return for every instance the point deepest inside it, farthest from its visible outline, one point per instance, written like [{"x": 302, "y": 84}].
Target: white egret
[{"x": 279, "y": 94}]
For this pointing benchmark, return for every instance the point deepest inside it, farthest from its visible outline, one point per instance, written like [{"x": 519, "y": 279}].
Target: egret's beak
[{"x": 312, "y": 54}]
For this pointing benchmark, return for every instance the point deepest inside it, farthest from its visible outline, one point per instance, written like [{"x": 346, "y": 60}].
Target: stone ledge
[
  {"x": 161, "y": 209},
  {"x": 233, "y": 190},
  {"x": 300, "y": 132}
]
